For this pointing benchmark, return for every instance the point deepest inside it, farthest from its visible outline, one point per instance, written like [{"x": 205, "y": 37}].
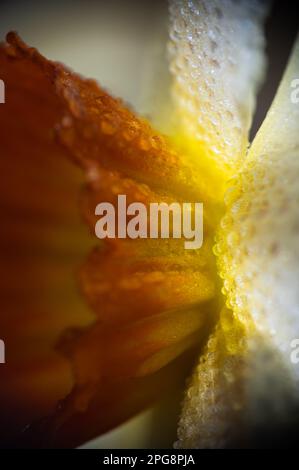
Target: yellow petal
[
  {"x": 259, "y": 238},
  {"x": 257, "y": 248}
]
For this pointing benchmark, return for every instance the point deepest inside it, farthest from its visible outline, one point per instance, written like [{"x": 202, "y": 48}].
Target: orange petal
[
  {"x": 151, "y": 299},
  {"x": 41, "y": 241}
]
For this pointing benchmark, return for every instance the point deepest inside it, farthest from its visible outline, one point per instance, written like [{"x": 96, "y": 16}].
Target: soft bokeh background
[{"x": 122, "y": 43}]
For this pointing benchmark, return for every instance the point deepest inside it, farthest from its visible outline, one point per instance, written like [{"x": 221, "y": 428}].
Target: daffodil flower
[{"x": 96, "y": 331}]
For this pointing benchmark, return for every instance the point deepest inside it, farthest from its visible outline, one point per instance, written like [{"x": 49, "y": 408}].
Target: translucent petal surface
[
  {"x": 260, "y": 235},
  {"x": 211, "y": 410},
  {"x": 216, "y": 53}
]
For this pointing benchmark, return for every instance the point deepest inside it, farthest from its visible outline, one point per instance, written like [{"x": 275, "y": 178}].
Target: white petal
[
  {"x": 217, "y": 60},
  {"x": 246, "y": 382},
  {"x": 279, "y": 132}
]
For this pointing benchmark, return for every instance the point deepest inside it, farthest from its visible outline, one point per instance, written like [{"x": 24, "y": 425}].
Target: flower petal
[
  {"x": 245, "y": 389},
  {"x": 260, "y": 237},
  {"x": 42, "y": 241},
  {"x": 217, "y": 62}
]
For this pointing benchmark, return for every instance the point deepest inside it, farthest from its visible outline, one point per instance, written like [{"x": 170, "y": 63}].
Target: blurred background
[{"x": 122, "y": 43}]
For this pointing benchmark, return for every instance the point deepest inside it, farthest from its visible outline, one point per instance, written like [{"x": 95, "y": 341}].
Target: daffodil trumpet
[{"x": 162, "y": 221}]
